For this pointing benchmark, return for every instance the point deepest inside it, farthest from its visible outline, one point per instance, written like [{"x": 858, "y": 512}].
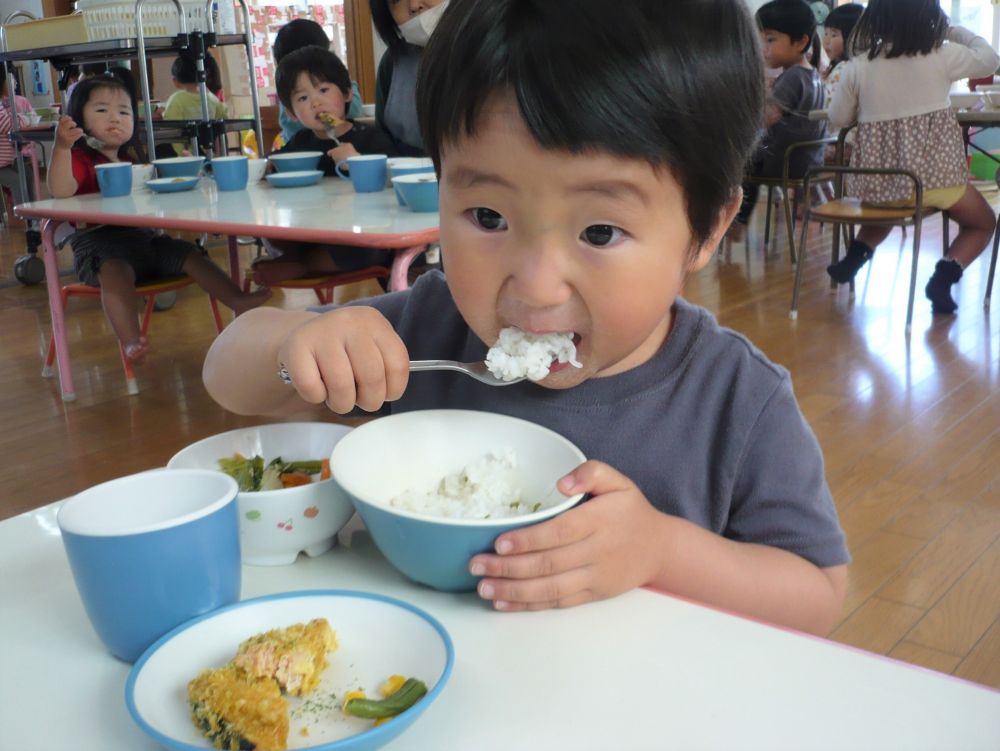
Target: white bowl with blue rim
[
  {"x": 294, "y": 179},
  {"x": 277, "y": 525},
  {"x": 172, "y": 184},
  {"x": 427, "y": 445},
  {"x": 296, "y": 161},
  {"x": 377, "y": 637},
  {"x": 179, "y": 166}
]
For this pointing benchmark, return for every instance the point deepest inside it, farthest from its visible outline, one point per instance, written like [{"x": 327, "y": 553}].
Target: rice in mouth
[{"x": 518, "y": 354}]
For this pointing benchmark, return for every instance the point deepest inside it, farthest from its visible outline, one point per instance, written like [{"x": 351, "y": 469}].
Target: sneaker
[
  {"x": 938, "y": 289},
  {"x": 844, "y": 270}
]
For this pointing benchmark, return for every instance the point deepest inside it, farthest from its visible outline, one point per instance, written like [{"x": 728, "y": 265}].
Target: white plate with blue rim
[
  {"x": 171, "y": 184},
  {"x": 294, "y": 179},
  {"x": 377, "y": 637}
]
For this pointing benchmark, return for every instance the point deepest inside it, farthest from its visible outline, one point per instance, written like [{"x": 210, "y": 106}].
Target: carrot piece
[
  {"x": 293, "y": 479},
  {"x": 325, "y": 473}
]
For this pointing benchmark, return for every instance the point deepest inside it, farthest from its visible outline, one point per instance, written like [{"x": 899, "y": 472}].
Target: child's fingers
[
  {"x": 397, "y": 363},
  {"x": 547, "y": 562},
  {"x": 338, "y": 378},
  {"x": 561, "y": 591},
  {"x": 594, "y": 477},
  {"x": 369, "y": 373}
]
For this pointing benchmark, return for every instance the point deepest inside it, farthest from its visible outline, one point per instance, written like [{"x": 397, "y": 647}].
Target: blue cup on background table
[
  {"x": 367, "y": 172},
  {"x": 230, "y": 172},
  {"x": 114, "y": 179},
  {"x": 404, "y": 165},
  {"x": 152, "y": 550}
]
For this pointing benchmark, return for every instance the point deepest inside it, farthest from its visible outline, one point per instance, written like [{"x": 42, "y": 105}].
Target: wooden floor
[{"x": 910, "y": 427}]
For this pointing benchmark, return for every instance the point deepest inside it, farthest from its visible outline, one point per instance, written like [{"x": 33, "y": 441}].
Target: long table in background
[
  {"x": 640, "y": 671},
  {"x": 330, "y": 212}
]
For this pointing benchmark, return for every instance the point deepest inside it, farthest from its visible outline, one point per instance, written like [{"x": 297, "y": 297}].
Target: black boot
[
  {"x": 938, "y": 289},
  {"x": 844, "y": 270}
]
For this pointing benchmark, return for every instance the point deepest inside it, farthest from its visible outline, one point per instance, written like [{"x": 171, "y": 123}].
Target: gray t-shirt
[
  {"x": 708, "y": 429},
  {"x": 797, "y": 91}
]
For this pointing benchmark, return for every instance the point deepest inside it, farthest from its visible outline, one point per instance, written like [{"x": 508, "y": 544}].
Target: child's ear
[{"x": 726, "y": 216}]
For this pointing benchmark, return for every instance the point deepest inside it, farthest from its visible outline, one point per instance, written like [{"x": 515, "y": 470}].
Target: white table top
[
  {"x": 639, "y": 671},
  {"x": 327, "y": 212}
]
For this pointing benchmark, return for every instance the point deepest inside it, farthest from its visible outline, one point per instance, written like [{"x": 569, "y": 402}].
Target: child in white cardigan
[{"x": 895, "y": 86}]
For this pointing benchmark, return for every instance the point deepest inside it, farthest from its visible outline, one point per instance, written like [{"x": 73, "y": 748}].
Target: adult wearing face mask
[{"x": 405, "y": 26}]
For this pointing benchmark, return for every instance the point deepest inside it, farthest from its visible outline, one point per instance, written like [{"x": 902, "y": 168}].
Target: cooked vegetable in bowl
[{"x": 253, "y": 476}]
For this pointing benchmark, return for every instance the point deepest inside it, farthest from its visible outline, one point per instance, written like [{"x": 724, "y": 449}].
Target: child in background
[
  {"x": 185, "y": 103},
  {"x": 315, "y": 87},
  {"x": 294, "y": 35},
  {"x": 788, "y": 29},
  {"x": 99, "y": 129},
  {"x": 705, "y": 479},
  {"x": 895, "y": 86},
  {"x": 9, "y": 176},
  {"x": 836, "y": 31}
]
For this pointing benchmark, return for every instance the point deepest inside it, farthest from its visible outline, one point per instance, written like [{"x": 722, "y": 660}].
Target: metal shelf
[
  {"x": 110, "y": 49},
  {"x": 165, "y": 130}
]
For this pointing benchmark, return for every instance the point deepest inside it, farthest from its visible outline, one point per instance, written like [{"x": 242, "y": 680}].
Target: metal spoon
[{"x": 477, "y": 370}]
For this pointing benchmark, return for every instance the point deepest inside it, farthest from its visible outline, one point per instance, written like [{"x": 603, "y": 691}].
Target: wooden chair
[
  {"x": 850, "y": 211},
  {"x": 324, "y": 285},
  {"x": 149, "y": 291},
  {"x": 786, "y": 183}
]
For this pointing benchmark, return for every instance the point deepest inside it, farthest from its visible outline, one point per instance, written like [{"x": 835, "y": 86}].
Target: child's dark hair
[
  {"x": 184, "y": 70},
  {"x": 677, "y": 84},
  {"x": 320, "y": 64},
  {"x": 132, "y": 149},
  {"x": 899, "y": 28},
  {"x": 794, "y": 18},
  {"x": 296, "y": 34},
  {"x": 213, "y": 75},
  {"x": 844, "y": 18},
  {"x": 385, "y": 26}
]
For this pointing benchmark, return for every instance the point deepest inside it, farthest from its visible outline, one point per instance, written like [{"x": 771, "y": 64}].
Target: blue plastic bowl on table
[
  {"x": 179, "y": 166},
  {"x": 298, "y": 161},
  {"x": 419, "y": 191},
  {"x": 427, "y": 445}
]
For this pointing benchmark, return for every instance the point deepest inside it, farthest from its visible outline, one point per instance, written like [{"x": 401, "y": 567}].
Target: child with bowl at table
[
  {"x": 315, "y": 87},
  {"x": 895, "y": 87},
  {"x": 99, "y": 129},
  {"x": 788, "y": 30},
  {"x": 560, "y": 215}
]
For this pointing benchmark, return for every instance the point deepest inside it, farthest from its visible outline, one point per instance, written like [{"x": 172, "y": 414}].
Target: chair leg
[
  {"x": 993, "y": 268},
  {"x": 794, "y": 312},
  {"x": 913, "y": 272},
  {"x": 945, "y": 231},
  {"x": 219, "y": 325},
  {"x": 790, "y": 226},
  {"x": 767, "y": 216}
]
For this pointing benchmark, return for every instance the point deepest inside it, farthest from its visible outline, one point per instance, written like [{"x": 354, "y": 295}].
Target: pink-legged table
[{"x": 330, "y": 212}]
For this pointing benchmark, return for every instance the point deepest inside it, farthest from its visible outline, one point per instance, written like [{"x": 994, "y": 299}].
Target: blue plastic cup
[
  {"x": 418, "y": 191},
  {"x": 230, "y": 172},
  {"x": 367, "y": 172},
  {"x": 152, "y": 550},
  {"x": 114, "y": 179}
]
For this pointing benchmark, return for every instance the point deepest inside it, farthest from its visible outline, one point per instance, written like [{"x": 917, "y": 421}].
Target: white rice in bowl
[
  {"x": 485, "y": 489},
  {"x": 518, "y": 354}
]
